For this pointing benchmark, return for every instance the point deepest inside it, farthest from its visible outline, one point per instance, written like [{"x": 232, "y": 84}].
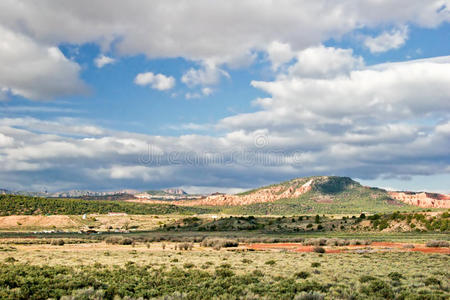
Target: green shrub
[
  {"x": 119, "y": 240},
  {"x": 224, "y": 272},
  {"x": 302, "y": 274},
  {"x": 437, "y": 243},
  {"x": 366, "y": 278},
  {"x": 188, "y": 265},
  {"x": 317, "y": 219},
  {"x": 315, "y": 264},
  {"x": 270, "y": 262},
  {"x": 396, "y": 276},
  {"x": 378, "y": 288},
  {"x": 185, "y": 246},
  {"x": 10, "y": 259},
  {"x": 88, "y": 293},
  {"x": 432, "y": 281},
  {"x": 315, "y": 242},
  {"x": 58, "y": 242},
  {"x": 309, "y": 296},
  {"x": 218, "y": 243},
  {"x": 318, "y": 249}
]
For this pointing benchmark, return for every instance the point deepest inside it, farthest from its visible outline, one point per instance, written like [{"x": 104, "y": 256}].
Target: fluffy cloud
[
  {"x": 159, "y": 82},
  {"x": 323, "y": 61},
  {"x": 387, "y": 40},
  {"x": 325, "y": 113},
  {"x": 206, "y": 91},
  {"x": 5, "y": 140},
  {"x": 279, "y": 54},
  {"x": 35, "y": 71},
  {"x": 209, "y": 74},
  {"x": 389, "y": 120},
  {"x": 373, "y": 95},
  {"x": 36, "y": 29},
  {"x": 103, "y": 60},
  {"x": 275, "y": 142},
  {"x": 136, "y": 26}
]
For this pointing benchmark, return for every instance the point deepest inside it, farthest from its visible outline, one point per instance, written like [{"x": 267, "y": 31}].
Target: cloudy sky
[{"x": 223, "y": 96}]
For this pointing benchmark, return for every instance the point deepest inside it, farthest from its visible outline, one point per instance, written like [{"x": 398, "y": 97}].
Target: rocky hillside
[
  {"x": 318, "y": 194},
  {"x": 326, "y": 186},
  {"x": 422, "y": 199},
  {"x": 291, "y": 189}
]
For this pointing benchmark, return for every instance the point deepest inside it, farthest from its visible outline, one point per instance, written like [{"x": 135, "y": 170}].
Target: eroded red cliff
[{"x": 430, "y": 200}]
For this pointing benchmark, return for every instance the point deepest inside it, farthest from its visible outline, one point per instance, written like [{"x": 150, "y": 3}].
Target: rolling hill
[
  {"x": 26, "y": 205},
  {"x": 317, "y": 194}
]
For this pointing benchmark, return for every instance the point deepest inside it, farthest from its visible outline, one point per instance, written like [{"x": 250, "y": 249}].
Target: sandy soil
[
  {"x": 75, "y": 223},
  {"x": 37, "y": 221}
]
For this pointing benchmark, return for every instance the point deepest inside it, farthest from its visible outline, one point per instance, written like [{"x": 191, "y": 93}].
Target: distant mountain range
[{"x": 87, "y": 193}]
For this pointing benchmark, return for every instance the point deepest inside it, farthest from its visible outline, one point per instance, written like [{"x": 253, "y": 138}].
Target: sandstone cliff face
[
  {"x": 295, "y": 188},
  {"x": 324, "y": 190},
  {"x": 428, "y": 200}
]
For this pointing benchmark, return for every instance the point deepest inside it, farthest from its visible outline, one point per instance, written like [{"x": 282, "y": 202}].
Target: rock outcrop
[
  {"x": 294, "y": 189},
  {"x": 324, "y": 190},
  {"x": 429, "y": 200}
]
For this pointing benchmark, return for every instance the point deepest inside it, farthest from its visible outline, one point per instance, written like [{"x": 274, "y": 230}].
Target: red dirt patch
[
  {"x": 273, "y": 246},
  {"x": 387, "y": 244},
  {"x": 431, "y": 250}
]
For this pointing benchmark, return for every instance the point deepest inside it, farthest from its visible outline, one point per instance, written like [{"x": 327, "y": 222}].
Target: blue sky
[{"x": 363, "y": 93}]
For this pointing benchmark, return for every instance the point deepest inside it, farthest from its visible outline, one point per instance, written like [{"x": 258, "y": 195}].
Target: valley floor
[
  {"x": 224, "y": 257},
  {"x": 92, "y": 269}
]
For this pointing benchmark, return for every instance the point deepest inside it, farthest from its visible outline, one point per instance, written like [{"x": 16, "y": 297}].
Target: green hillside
[
  {"x": 24, "y": 205},
  {"x": 328, "y": 195}
]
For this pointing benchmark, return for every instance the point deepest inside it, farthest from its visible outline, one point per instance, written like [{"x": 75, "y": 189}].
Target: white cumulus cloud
[
  {"x": 34, "y": 70},
  {"x": 39, "y": 70},
  {"x": 209, "y": 74},
  {"x": 103, "y": 60},
  {"x": 387, "y": 40},
  {"x": 279, "y": 54},
  {"x": 324, "y": 62},
  {"x": 159, "y": 82}
]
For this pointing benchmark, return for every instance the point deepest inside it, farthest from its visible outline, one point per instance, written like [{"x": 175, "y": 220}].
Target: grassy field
[{"x": 154, "y": 270}]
